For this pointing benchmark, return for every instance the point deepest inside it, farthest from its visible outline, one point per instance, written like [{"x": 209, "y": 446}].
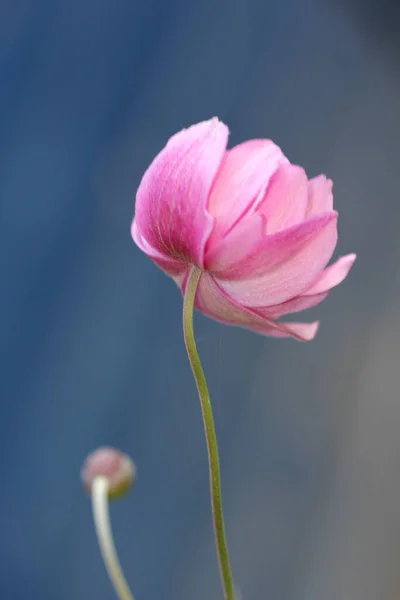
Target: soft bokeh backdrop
[{"x": 91, "y": 344}]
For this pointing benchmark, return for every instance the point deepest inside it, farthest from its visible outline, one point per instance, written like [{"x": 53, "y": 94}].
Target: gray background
[{"x": 91, "y": 345}]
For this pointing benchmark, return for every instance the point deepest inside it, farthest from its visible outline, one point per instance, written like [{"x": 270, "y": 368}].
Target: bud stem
[
  {"x": 100, "y": 494},
  {"x": 209, "y": 429}
]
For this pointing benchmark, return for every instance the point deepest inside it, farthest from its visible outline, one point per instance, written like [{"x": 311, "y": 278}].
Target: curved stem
[
  {"x": 209, "y": 429},
  {"x": 105, "y": 538}
]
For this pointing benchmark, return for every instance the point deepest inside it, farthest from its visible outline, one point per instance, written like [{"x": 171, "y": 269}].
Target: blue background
[{"x": 91, "y": 343}]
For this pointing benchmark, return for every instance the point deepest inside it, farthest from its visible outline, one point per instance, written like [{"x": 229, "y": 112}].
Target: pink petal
[
  {"x": 332, "y": 275},
  {"x": 243, "y": 176},
  {"x": 181, "y": 278},
  {"x": 223, "y": 256},
  {"x": 304, "y": 332},
  {"x": 169, "y": 265},
  {"x": 213, "y": 302},
  {"x": 261, "y": 271},
  {"x": 294, "y": 305},
  {"x": 172, "y": 197},
  {"x": 320, "y": 197},
  {"x": 286, "y": 198}
]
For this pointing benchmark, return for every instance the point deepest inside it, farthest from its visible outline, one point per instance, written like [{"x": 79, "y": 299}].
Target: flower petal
[
  {"x": 332, "y": 275},
  {"x": 260, "y": 271},
  {"x": 286, "y": 198},
  {"x": 320, "y": 197},
  {"x": 294, "y": 305},
  {"x": 169, "y": 265},
  {"x": 226, "y": 253},
  {"x": 329, "y": 278},
  {"x": 172, "y": 197},
  {"x": 303, "y": 332},
  {"x": 213, "y": 302},
  {"x": 244, "y": 174}
]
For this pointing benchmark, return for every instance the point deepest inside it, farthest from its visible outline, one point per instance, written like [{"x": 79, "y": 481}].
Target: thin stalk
[
  {"x": 105, "y": 538},
  {"x": 209, "y": 429}
]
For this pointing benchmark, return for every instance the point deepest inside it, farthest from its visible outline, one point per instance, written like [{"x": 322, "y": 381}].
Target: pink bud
[{"x": 117, "y": 467}]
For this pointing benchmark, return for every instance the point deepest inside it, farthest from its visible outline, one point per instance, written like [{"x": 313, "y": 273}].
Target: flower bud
[{"x": 116, "y": 467}]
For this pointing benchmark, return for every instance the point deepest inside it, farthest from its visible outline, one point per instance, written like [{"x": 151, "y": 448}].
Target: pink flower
[{"x": 258, "y": 228}]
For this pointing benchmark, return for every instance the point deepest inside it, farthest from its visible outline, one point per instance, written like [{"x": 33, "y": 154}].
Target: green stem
[
  {"x": 100, "y": 499},
  {"x": 209, "y": 429}
]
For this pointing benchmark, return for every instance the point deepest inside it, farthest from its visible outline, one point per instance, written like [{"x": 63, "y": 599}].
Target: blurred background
[{"x": 91, "y": 342}]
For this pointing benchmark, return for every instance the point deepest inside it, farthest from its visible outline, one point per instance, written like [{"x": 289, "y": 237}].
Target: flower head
[{"x": 259, "y": 229}]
